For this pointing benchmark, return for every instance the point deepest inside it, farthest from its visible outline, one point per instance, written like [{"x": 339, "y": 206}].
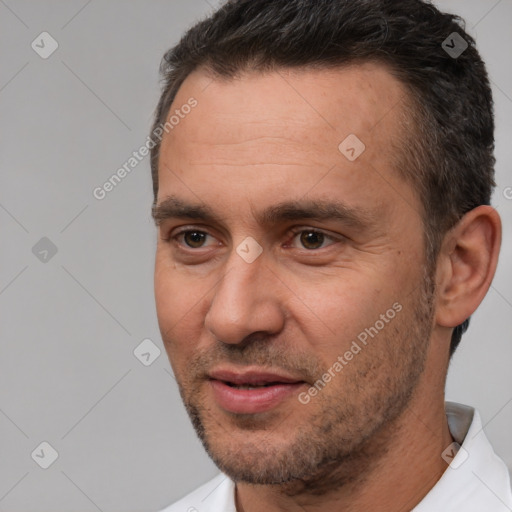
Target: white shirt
[{"x": 476, "y": 479}]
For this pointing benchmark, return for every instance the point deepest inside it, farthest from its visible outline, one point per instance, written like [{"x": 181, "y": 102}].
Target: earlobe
[{"x": 466, "y": 265}]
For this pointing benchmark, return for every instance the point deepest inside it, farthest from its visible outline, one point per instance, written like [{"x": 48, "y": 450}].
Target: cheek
[
  {"x": 179, "y": 300},
  {"x": 164, "y": 295},
  {"x": 341, "y": 307},
  {"x": 172, "y": 297}
]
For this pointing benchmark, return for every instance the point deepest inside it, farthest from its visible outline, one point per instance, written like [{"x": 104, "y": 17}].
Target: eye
[
  {"x": 309, "y": 239},
  {"x": 191, "y": 238},
  {"x": 312, "y": 239}
]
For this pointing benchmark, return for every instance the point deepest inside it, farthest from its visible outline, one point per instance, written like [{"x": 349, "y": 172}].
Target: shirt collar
[{"x": 476, "y": 479}]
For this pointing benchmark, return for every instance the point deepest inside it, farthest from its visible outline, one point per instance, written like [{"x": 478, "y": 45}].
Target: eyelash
[{"x": 293, "y": 232}]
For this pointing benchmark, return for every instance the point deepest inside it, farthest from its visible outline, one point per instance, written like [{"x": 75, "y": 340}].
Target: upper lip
[{"x": 253, "y": 377}]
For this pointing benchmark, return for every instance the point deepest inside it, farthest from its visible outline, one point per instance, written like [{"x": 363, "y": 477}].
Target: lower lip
[{"x": 251, "y": 401}]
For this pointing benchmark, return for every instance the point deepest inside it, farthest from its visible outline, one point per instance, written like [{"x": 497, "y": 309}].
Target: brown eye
[
  {"x": 191, "y": 239},
  {"x": 194, "y": 239},
  {"x": 312, "y": 239}
]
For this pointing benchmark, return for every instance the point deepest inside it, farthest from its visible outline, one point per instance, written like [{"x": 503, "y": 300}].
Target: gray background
[{"x": 69, "y": 326}]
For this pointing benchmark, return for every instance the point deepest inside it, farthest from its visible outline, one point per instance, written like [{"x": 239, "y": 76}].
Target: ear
[{"x": 466, "y": 265}]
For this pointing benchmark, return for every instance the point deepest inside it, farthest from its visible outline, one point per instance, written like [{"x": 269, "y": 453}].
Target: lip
[
  {"x": 252, "y": 377},
  {"x": 252, "y": 401}
]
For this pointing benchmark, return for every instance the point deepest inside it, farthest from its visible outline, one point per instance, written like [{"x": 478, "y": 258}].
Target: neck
[{"x": 394, "y": 471}]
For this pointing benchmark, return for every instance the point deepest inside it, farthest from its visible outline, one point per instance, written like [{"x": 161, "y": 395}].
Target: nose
[{"x": 246, "y": 300}]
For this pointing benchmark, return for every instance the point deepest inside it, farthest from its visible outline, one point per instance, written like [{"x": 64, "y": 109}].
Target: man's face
[{"x": 284, "y": 317}]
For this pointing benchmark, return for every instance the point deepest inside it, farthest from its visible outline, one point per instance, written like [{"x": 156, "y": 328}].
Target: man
[{"x": 322, "y": 192}]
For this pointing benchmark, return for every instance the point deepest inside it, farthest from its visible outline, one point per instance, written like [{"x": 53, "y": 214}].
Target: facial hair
[{"x": 344, "y": 432}]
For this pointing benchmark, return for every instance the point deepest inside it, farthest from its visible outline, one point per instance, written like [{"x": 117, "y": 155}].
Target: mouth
[
  {"x": 251, "y": 386},
  {"x": 252, "y": 391}
]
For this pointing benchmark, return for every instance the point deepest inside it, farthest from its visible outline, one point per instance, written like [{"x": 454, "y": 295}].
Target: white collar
[{"x": 476, "y": 480}]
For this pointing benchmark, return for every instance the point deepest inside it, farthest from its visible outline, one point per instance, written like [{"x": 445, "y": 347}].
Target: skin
[{"x": 372, "y": 438}]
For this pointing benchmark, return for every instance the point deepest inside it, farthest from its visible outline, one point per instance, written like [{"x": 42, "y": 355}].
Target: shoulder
[{"x": 217, "y": 494}]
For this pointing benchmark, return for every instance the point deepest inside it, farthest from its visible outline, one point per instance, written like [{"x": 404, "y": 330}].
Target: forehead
[
  {"x": 351, "y": 99},
  {"x": 284, "y": 130}
]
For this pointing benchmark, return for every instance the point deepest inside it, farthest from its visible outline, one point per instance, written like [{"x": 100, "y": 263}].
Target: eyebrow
[{"x": 173, "y": 207}]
